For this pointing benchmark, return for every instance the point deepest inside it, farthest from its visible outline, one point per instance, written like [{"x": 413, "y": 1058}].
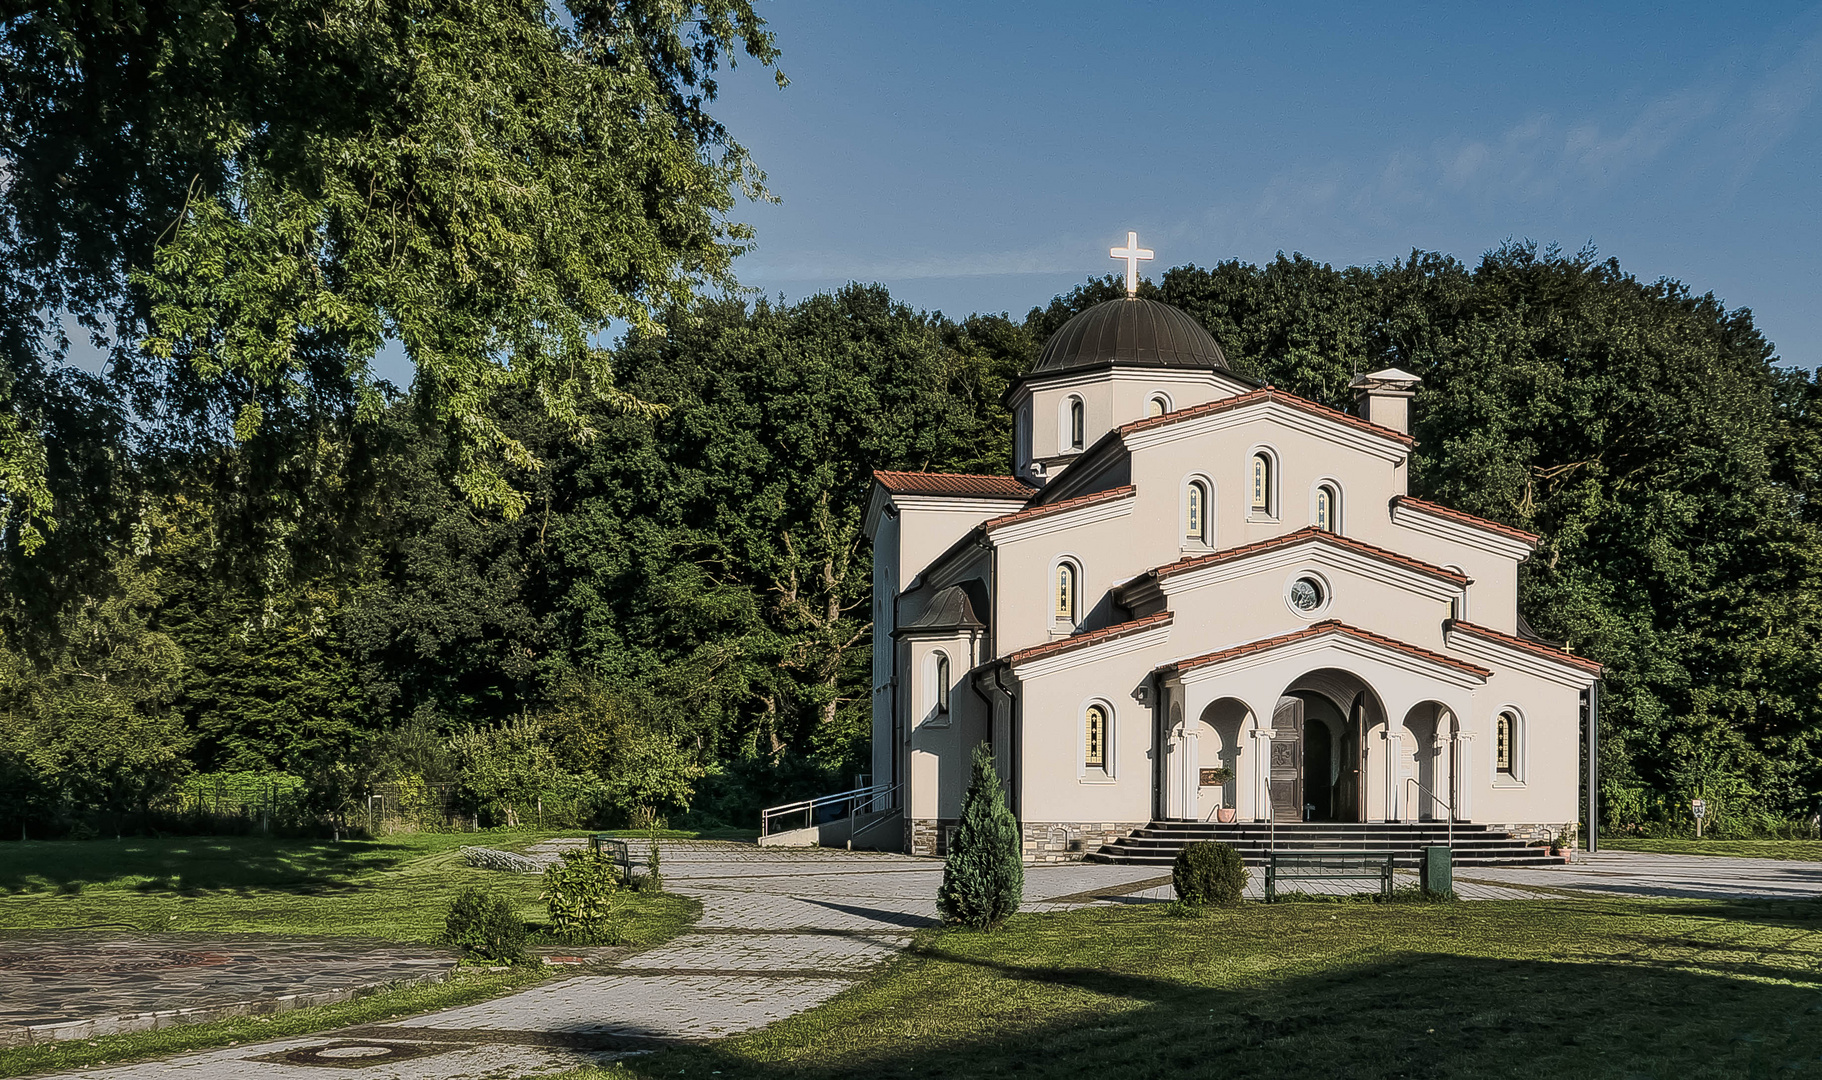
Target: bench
[
  {"x": 1292, "y": 866},
  {"x": 615, "y": 849}
]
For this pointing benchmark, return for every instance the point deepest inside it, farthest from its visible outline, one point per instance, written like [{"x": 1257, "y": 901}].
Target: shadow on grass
[
  {"x": 1277, "y": 1014},
  {"x": 193, "y": 864}
]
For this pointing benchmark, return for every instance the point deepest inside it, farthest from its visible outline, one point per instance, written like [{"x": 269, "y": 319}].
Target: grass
[
  {"x": 394, "y": 889},
  {"x": 1532, "y": 989},
  {"x": 1800, "y": 850}
]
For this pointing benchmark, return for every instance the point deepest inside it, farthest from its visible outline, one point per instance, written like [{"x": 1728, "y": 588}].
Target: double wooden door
[{"x": 1287, "y": 760}]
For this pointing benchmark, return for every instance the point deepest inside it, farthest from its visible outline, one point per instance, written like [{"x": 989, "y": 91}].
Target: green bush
[
  {"x": 580, "y": 890},
  {"x": 984, "y": 877},
  {"x": 485, "y": 928},
  {"x": 1208, "y": 873}
]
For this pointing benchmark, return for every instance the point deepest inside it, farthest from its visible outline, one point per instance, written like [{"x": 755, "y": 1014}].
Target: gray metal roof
[
  {"x": 1132, "y": 332},
  {"x": 950, "y": 609}
]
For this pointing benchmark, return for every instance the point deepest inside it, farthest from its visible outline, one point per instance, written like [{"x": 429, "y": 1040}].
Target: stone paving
[
  {"x": 83, "y": 985},
  {"x": 786, "y": 929}
]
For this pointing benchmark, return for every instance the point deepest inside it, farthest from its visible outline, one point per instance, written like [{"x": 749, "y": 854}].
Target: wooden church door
[{"x": 1287, "y": 760}]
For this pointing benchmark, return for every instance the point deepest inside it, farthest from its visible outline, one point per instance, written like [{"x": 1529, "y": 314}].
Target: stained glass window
[
  {"x": 1094, "y": 741},
  {"x": 1065, "y": 610},
  {"x": 1262, "y": 484}
]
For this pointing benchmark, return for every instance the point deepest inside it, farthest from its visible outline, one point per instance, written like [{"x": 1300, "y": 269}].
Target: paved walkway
[{"x": 786, "y": 929}]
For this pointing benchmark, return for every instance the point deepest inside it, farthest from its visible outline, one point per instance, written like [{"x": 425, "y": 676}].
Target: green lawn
[
  {"x": 1805, "y": 850},
  {"x": 396, "y": 888},
  {"x": 1573, "y": 989}
]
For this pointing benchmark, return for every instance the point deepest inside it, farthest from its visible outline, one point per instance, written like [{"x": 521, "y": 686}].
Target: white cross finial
[{"x": 1133, "y": 254}]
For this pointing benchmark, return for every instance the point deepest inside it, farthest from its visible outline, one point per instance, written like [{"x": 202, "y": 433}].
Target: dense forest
[{"x": 673, "y": 614}]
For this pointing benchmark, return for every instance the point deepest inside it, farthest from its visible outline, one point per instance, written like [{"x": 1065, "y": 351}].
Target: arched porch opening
[
  {"x": 1321, "y": 734},
  {"x": 1203, "y": 759},
  {"x": 1426, "y": 774}
]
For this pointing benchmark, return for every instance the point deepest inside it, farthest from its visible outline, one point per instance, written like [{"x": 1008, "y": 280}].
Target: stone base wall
[
  {"x": 928, "y": 836},
  {"x": 1532, "y": 832},
  {"x": 1071, "y": 841}
]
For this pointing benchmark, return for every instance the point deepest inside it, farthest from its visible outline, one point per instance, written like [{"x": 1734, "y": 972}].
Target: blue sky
[{"x": 984, "y": 156}]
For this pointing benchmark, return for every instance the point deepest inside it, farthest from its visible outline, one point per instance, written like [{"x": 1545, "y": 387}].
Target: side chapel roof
[{"x": 963, "y": 485}]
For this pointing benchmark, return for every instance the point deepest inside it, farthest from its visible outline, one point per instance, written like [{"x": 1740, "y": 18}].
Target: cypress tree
[{"x": 984, "y": 876}]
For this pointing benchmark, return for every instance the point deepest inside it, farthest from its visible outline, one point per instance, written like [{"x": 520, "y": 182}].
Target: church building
[{"x": 1199, "y": 598}]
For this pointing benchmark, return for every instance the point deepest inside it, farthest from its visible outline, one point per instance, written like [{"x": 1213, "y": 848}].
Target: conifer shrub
[
  {"x": 984, "y": 876},
  {"x": 1208, "y": 873},
  {"x": 579, "y": 889},
  {"x": 485, "y": 928}
]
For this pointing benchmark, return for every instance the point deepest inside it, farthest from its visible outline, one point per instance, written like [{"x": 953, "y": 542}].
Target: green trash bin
[{"x": 1437, "y": 874}]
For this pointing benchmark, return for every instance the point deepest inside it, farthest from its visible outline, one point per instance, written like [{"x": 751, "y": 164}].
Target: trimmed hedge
[{"x": 1208, "y": 873}]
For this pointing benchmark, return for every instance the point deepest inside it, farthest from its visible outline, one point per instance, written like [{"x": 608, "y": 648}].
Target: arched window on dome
[
  {"x": 1077, "y": 423},
  {"x": 1195, "y": 512},
  {"x": 1157, "y": 406},
  {"x": 1261, "y": 504}
]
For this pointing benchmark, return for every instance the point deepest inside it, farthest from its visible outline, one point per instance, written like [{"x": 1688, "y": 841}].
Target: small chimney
[{"x": 1384, "y": 398}]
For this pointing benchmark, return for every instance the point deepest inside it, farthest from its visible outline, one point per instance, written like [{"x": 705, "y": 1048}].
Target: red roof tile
[
  {"x": 1267, "y": 394},
  {"x": 1533, "y": 647},
  {"x": 1466, "y": 519},
  {"x": 1327, "y": 626},
  {"x": 1110, "y": 495},
  {"x": 966, "y": 485},
  {"x": 1309, "y": 533},
  {"x": 1081, "y": 641}
]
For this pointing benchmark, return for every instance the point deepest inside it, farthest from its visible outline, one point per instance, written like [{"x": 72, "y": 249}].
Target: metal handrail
[
  {"x": 1449, "y": 806},
  {"x": 810, "y": 806}
]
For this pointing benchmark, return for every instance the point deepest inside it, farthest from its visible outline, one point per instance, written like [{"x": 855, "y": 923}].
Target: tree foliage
[{"x": 984, "y": 875}]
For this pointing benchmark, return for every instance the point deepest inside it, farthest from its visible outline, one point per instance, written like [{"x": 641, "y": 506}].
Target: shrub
[
  {"x": 485, "y": 928},
  {"x": 580, "y": 890},
  {"x": 984, "y": 877},
  {"x": 1208, "y": 873}
]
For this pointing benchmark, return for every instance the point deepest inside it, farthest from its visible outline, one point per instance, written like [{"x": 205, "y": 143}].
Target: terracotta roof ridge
[
  {"x": 1535, "y": 647},
  {"x": 1269, "y": 394},
  {"x": 1326, "y": 626},
  {"x": 977, "y": 485},
  {"x": 1060, "y": 506},
  {"x": 1307, "y": 533},
  {"x": 1464, "y": 517},
  {"x": 1093, "y": 637}
]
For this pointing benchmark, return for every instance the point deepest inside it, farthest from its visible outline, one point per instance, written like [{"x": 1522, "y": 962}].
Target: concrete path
[{"x": 786, "y": 929}]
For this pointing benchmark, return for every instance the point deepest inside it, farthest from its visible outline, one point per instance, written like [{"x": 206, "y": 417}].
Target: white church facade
[{"x": 1201, "y": 599}]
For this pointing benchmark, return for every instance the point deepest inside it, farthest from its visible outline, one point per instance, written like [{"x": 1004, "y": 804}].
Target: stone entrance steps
[{"x": 1472, "y": 845}]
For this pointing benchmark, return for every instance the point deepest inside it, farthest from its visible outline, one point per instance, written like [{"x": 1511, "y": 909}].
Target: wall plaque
[{"x": 1211, "y": 778}]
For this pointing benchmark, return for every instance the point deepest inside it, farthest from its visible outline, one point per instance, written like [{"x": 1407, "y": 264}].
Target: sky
[{"x": 984, "y": 156}]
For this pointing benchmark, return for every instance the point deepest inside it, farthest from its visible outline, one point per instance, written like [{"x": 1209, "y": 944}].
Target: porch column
[
  {"x": 1262, "y": 774},
  {"x": 1464, "y": 776},
  {"x": 1394, "y": 781}
]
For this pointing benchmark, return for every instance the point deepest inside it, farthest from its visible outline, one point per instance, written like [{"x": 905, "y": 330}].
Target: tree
[
  {"x": 231, "y": 194},
  {"x": 984, "y": 875}
]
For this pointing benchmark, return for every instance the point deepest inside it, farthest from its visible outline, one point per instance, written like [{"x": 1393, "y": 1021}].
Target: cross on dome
[{"x": 1133, "y": 254}]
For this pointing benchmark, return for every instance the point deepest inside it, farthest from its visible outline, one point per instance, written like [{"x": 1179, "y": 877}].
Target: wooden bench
[{"x": 1293, "y": 866}]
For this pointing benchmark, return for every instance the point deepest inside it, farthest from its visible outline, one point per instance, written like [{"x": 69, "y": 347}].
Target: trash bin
[{"x": 1436, "y": 872}]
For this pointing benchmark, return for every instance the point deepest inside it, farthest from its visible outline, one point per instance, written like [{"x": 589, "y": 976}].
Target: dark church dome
[{"x": 1130, "y": 332}]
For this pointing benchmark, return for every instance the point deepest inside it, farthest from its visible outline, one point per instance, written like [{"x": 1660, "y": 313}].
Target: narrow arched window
[
  {"x": 1195, "y": 513},
  {"x": 942, "y": 684},
  {"x": 1262, "y": 484},
  {"x": 1094, "y": 738},
  {"x": 1325, "y": 508},
  {"x": 1157, "y": 407},
  {"x": 1505, "y": 745},
  {"x": 1065, "y": 592},
  {"x": 1077, "y": 424}
]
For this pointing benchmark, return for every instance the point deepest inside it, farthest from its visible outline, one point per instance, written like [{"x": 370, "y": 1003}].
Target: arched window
[
  {"x": 1262, "y": 484},
  {"x": 1506, "y": 734},
  {"x": 942, "y": 684},
  {"x": 1326, "y": 507},
  {"x": 1077, "y": 423},
  {"x": 1157, "y": 406},
  {"x": 1458, "y": 607},
  {"x": 1195, "y": 512},
  {"x": 1066, "y": 588},
  {"x": 1094, "y": 738}
]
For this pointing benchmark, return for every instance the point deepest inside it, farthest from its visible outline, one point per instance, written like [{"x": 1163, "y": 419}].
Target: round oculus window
[{"x": 1307, "y": 594}]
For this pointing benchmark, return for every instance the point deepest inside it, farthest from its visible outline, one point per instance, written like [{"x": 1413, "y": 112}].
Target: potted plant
[
  {"x": 1217, "y": 778},
  {"x": 1562, "y": 845}
]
